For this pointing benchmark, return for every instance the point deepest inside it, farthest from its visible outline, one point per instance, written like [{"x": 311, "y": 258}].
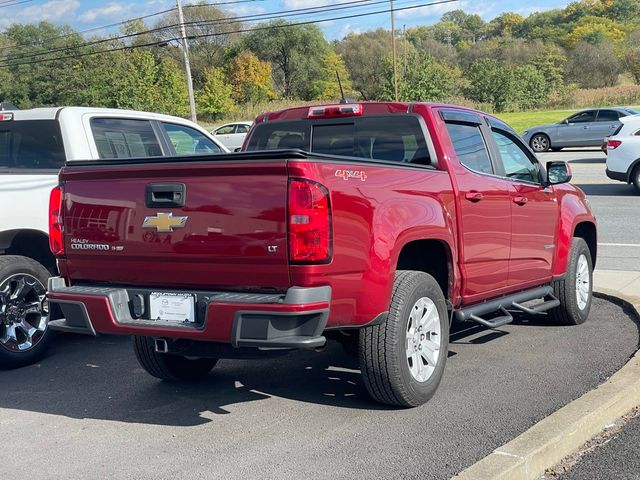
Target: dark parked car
[{"x": 587, "y": 128}]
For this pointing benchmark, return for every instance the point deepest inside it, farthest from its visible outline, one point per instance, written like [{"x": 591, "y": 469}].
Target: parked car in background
[
  {"x": 34, "y": 144},
  {"x": 232, "y": 134},
  {"x": 623, "y": 159},
  {"x": 586, "y": 128}
]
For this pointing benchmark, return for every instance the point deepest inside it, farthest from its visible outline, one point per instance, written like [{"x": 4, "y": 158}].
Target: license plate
[{"x": 172, "y": 307}]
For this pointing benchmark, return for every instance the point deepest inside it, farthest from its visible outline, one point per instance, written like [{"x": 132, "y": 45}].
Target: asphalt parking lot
[
  {"x": 616, "y": 205},
  {"x": 89, "y": 411}
]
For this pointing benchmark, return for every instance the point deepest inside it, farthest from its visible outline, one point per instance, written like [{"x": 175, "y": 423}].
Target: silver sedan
[{"x": 587, "y": 128}]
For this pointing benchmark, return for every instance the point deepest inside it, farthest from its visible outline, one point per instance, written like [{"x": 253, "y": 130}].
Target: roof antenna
[{"x": 342, "y": 99}]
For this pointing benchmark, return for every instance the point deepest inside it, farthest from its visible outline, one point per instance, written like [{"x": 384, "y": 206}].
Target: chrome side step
[{"x": 474, "y": 313}]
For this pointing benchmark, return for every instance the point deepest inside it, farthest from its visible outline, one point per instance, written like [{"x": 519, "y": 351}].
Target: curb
[{"x": 563, "y": 432}]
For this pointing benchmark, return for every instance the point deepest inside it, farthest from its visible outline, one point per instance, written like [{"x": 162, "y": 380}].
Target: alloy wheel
[
  {"x": 423, "y": 339},
  {"x": 583, "y": 282},
  {"x": 23, "y": 312}
]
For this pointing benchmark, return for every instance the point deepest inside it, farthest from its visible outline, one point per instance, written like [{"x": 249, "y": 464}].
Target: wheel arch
[
  {"x": 587, "y": 231},
  {"x": 635, "y": 164},
  {"x": 432, "y": 256},
  {"x": 29, "y": 243}
]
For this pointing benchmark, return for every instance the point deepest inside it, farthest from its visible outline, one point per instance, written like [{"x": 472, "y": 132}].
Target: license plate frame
[{"x": 172, "y": 307}]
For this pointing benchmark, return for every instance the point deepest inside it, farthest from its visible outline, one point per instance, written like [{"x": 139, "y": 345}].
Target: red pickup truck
[{"x": 373, "y": 223}]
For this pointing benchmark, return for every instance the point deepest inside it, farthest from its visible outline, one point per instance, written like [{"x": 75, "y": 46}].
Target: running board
[{"x": 474, "y": 313}]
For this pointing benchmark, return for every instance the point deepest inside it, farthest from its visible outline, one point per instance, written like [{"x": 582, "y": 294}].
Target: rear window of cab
[{"x": 394, "y": 138}]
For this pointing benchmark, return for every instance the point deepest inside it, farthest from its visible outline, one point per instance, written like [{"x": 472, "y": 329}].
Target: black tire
[
  {"x": 170, "y": 367},
  {"x": 569, "y": 311},
  {"x": 635, "y": 177},
  {"x": 540, "y": 142},
  {"x": 383, "y": 348},
  {"x": 16, "y": 353}
]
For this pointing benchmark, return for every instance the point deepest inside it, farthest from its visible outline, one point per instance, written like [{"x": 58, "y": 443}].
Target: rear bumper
[
  {"x": 620, "y": 176},
  {"x": 295, "y": 319}
]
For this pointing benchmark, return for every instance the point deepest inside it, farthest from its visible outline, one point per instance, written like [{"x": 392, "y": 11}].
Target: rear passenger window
[
  {"x": 608, "y": 116},
  {"x": 125, "y": 138},
  {"x": 470, "y": 147},
  {"x": 31, "y": 145}
]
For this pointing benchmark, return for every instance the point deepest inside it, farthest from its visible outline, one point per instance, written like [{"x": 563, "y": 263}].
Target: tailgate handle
[{"x": 165, "y": 195}]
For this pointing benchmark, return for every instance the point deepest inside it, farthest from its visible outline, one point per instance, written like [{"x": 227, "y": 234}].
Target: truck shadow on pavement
[
  {"x": 99, "y": 378},
  {"x": 608, "y": 189}
]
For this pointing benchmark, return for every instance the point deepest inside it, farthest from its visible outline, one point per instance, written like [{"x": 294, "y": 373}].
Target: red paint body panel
[
  {"x": 233, "y": 212},
  {"x": 236, "y": 209}
]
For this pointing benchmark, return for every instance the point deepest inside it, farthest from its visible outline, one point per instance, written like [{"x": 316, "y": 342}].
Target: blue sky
[{"x": 88, "y": 14}]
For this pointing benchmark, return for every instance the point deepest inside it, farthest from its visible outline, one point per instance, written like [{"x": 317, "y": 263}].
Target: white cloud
[
  {"x": 295, "y": 4},
  {"x": 349, "y": 28},
  {"x": 242, "y": 10},
  {"x": 108, "y": 11},
  {"x": 51, "y": 11},
  {"x": 486, "y": 10}
]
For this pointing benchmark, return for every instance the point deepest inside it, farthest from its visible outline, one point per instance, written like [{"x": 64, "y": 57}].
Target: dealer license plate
[{"x": 172, "y": 307}]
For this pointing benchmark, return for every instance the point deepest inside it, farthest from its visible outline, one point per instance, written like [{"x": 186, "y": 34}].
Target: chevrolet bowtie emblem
[{"x": 164, "y": 222}]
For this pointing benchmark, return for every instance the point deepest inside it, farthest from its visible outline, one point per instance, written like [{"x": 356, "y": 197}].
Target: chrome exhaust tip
[{"x": 161, "y": 345}]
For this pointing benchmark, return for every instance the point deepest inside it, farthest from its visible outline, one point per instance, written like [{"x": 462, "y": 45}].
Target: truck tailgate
[{"x": 124, "y": 224}]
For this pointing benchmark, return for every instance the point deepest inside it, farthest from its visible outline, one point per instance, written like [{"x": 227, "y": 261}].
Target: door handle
[
  {"x": 585, "y": 128},
  {"x": 520, "y": 200},
  {"x": 473, "y": 196},
  {"x": 165, "y": 195}
]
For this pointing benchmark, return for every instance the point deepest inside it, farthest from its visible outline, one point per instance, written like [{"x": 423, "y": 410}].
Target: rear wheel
[
  {"x": 170, "y": 367},
  {"x": 635, "y": 177},
  {"x": 575, "y": 290},
  {"x": 24, "y": 332},
  {"x": 540, "y": 142},
  {"x": 402, "y": 360}
]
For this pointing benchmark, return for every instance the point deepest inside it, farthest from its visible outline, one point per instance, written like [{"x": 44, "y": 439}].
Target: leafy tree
[
  {"x": 593, "y": 66},
  {"x": 214, "y": 99},
  {"x": 364, "y": 56},
  {"x": 594, "y": 30},
  {"x": 295, "y": 52},
  {"x": 251, "y": 79},
  {"x": 551, "y": 63},
  {"x": 426, "y": 79},
  {"x": 327, "y": 87},
  {"x": 447, "y": 32},
  {"x": 472, "y": 26},
  {"x": 623, "y": 10},
  {"x": 632, "y": 55},
  {"x": 504, "y": 24},
  {"x": 529, "y": 88},
  {"x": 490, "y": 82}
]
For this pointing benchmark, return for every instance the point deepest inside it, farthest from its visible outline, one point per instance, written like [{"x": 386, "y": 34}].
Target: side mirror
[
  {"x": 565, "y": 121},
  {"x": 558, "y": 172},
  {"x": 238, "y": 149}
]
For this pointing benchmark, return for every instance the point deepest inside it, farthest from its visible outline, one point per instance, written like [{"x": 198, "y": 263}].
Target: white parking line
[{"x": 619, "y": 244}]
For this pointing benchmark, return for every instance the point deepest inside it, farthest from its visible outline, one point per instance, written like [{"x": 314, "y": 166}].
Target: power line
[
  {"x": 124, "y": 22},
  {"x": 269, "y": 27},
  {"x": 229, "y": 20},
  {"x": 11, "y": 3}
]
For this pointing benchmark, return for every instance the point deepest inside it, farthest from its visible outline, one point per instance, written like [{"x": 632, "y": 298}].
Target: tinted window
[
  {"x": 393, "y": 138},
  {"x": 470, "y": 147},
  {"x": 188, "y": 141},
  {"x": 225, "y": 130},
  {"x": 242, "y": 129},
  {"x": 517, "y": 163},
  {"x": 583, "y": 117},
  {"x": 31, "y": 145},
  {"x": 608, "y": 116},
  {"x": 124, "y": 138}
]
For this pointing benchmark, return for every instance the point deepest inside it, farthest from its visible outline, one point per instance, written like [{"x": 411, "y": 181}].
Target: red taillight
[
  {"x": 6, "y": 116},
  {"x": 613, "y": 144},
  {"x": 56, "y": 243},
  {"x": 331, "y": 111},
  {"x": 309, "y": 222}
]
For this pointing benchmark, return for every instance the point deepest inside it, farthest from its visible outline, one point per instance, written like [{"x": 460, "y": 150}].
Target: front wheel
[
  {"x": 540, "y": 143},
  {"x": 170, "y": 367},
  {"x": 402, "y": 361},
  {"x": 24, "y": 332},
  {"x": 575, "y": 290}
]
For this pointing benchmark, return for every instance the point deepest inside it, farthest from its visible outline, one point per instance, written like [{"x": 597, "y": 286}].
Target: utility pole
[
  {"x": 187, "y": 64},
  {"x": 393, "y": 47},
  {"x": 404, "y": 42}
]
